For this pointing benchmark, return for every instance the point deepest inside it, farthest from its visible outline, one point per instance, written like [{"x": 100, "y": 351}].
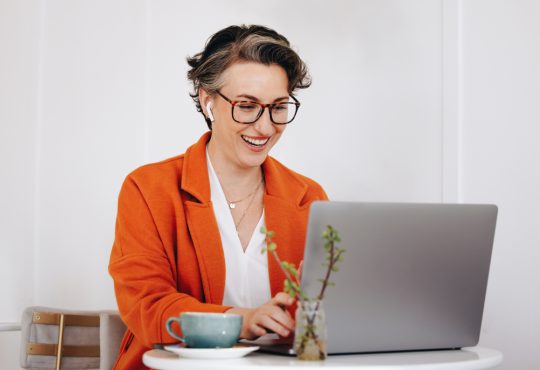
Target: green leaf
[
  {"x": 270, "y": 234},
  {"x": 289, "y": 267},
  {"x": 263, "y": 230},
  {"x": 272, "y": 246},
  {"x": 287, "y": 284},
  {"x": 335, "y": 268},
  {"x": 292, "y": 294}
]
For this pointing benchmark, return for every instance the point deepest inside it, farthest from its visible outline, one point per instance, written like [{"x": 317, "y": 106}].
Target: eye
[
  {"x": 280, "y": 107},
  {"x": 246, "y": 106}
]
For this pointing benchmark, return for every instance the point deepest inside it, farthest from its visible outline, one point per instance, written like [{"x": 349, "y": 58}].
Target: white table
[{"x": 474, "y": 358}]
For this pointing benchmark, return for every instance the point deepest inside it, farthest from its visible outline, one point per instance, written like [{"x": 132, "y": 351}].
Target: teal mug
[{"x": 207, "y": 330}]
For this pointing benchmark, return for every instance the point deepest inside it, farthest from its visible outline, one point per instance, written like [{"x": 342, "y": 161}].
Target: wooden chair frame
[{"x": 60, "y": 350}]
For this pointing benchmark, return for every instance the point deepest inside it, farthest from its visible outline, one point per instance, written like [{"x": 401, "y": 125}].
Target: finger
[
  {"x": 281, "y": 316},
  {"x": 270, "y": 324},
  {"x": 257, "y": 330},
  {"x": 247, "y": 314},
  {"x": 282, "y": 299}
]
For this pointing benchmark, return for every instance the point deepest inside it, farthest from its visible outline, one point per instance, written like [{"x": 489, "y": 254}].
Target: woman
[{"x": 187, "y": 233}]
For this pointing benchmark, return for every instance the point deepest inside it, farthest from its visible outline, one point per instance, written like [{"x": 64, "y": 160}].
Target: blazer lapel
[
  {"x": 286, "y": 217},
  {"x": 202, "y": 222}
]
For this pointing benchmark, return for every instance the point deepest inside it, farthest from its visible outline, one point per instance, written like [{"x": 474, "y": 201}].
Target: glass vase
[{"x": 310, "y": 333}]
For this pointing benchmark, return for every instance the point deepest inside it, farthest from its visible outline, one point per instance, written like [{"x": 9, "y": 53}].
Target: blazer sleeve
[{"x": 144, "y": 273}]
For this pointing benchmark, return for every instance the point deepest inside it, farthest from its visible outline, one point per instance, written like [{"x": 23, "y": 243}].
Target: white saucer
[{"x": 211, "y": 353}]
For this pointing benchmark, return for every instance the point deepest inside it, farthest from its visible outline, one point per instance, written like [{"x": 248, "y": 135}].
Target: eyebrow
[{"x": 253, "y": 98}]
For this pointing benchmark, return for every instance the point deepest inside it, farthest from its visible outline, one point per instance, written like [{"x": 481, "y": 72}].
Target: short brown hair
[{"x": 244, "y": 43}]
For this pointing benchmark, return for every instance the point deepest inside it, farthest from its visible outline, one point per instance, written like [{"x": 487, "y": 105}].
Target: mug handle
[{"x": 171, "y": 332}]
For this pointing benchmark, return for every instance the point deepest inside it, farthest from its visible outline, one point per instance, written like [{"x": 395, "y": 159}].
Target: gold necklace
[
  {"x": 232, "y": 203},
  {"x": 237, "y": 224}
]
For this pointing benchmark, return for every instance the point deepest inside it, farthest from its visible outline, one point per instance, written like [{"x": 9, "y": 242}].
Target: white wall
[
  {"x": 500, "y": 163},
  {"x": 19, "y": 35},
  {"x": 92, "y": 128},
  {"x": 19, "y": 79},
  {"x": 412, "y": 101}
]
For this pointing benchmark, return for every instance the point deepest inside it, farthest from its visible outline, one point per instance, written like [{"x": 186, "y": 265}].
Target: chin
[{"x": 253, "y": 160}]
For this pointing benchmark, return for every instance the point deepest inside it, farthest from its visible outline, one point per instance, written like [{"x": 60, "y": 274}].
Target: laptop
[{"x": 414, "y": 276}]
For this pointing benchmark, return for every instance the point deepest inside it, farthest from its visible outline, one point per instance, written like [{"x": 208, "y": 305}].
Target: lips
[{"x": 255, "y": 141}]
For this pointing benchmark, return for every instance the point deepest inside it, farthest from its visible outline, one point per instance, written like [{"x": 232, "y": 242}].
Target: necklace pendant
[{"x": 232, "y": 205}]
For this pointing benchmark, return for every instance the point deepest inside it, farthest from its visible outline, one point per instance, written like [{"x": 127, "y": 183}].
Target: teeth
[{"x": 255, "y": 141}]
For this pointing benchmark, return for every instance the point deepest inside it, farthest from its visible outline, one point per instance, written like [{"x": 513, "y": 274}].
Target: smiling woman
[{"x": 187, "y": 234}]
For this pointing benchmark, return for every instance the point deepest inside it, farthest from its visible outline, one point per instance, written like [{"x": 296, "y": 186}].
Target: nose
[{"x": 264, "y": 124}]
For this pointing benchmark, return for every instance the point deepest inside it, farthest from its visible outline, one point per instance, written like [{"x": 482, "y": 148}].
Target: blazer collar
[{"x": 195, "y": 179}]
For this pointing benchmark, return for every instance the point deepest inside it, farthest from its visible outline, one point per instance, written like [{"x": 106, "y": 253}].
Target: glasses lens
[
  {"x": 246, "y": 112},
  {"x": 284, "y": 112}
]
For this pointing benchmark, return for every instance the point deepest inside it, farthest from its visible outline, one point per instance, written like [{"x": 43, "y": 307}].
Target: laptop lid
[{"x": 414, "y": 276}]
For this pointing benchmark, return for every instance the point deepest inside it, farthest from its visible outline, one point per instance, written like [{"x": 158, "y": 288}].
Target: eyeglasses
[{"x": 247, "y": 112}]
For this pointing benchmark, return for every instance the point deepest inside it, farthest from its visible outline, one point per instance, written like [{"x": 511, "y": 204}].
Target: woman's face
[{"x": 247, "y": 145}]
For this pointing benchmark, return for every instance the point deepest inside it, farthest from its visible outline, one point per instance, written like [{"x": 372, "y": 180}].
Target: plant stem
[
  {"x": 331, "y": 263},
  {"x": 287, "y": 274}
]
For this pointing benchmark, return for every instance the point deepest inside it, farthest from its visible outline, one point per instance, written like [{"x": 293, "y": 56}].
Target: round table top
[{"x": 474, "y": 358}]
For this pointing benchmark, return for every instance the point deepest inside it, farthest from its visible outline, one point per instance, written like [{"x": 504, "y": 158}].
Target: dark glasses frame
[{"x": 233, "y": 103}]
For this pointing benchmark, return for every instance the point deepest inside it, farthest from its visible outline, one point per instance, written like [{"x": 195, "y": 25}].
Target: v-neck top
[{"x": 247, "y": 282}]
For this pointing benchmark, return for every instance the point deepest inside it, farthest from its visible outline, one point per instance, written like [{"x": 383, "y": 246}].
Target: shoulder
[
  {"x": 314, "y": 191},
  {"x": 170, "y": 167},
  {"x": 158, "y": 177}
]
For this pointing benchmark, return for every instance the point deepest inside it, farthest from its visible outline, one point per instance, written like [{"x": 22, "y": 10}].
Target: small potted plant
[{"x": 310, "y": 333}]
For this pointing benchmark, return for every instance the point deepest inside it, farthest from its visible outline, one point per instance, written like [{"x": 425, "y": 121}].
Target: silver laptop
[{"x": 414, "y": 276}]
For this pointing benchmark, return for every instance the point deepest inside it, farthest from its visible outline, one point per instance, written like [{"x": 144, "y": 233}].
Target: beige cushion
[{"x": 111, "y": 332}]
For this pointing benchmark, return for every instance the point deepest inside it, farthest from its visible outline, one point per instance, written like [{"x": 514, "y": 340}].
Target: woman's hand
[{"x": 270, "y": 317}]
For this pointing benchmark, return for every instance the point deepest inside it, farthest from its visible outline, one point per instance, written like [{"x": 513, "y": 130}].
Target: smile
[{"x": 254, "y": 141}]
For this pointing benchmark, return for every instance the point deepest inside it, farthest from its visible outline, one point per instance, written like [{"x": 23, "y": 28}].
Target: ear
[{"x": 204, "y": 99}]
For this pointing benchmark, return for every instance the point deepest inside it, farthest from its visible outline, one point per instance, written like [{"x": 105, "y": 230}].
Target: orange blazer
[{"x": 167, "y": 256}]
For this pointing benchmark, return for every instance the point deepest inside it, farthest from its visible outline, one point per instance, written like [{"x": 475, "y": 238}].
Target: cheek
[
  {"x": 277, "y": 136},
  {"x": 280, "y": 129},
  {"x": 230, "y": 128}
]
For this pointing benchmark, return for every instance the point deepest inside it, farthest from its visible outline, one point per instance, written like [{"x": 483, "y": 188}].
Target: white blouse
[{"x": 247, "y": 283}]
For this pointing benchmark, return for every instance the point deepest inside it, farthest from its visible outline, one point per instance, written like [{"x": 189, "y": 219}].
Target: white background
[{"x": 411, "y": 101}]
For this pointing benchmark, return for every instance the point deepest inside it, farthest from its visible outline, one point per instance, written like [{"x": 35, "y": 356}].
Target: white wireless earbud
[{"x": 209, "y": 110}]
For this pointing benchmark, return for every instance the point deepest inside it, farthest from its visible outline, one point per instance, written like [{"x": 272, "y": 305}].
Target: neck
[{"x": 234, "y": 180}]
